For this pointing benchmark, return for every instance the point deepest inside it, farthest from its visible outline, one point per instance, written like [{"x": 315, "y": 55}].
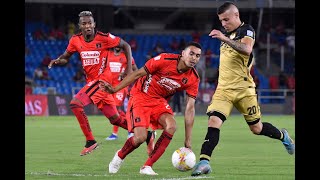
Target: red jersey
[
  {"x": 117, "y": 65},
  {"x": 93, "y": 54},
  {"x": 163, "y": 78}
]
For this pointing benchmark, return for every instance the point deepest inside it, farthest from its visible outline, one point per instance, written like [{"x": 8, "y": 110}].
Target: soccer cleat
[
  {"x": 112, "y": 137},
  {"x": 202, "y": 167},
  {"x": 89, "y": 147},
  {"x": 129, "y": 135},
  {"x": 150, "y": 141},
  {"x": 115, "y": 164},
  {"x": 147, "y": 170},
  {"x": 288, "y": 142}
]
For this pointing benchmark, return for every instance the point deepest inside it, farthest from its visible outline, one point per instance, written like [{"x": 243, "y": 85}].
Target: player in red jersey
[
  {"x": 92, "y": 47},
  {"x": 148, "y": 105},
  {"x": 118, "y": 63}
]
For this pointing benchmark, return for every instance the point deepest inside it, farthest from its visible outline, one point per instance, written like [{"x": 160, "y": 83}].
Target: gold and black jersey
[{"x": 234, "y": 68}]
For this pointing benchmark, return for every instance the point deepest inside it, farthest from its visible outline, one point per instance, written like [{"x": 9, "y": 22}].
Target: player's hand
[
  {"x": 187, "y": 144},
  {"x": 122, "y": 76},
  {"x": 217, "y": 34},
  {"x": 55, "y": 62},
  {"x": 105, "y": 86}
]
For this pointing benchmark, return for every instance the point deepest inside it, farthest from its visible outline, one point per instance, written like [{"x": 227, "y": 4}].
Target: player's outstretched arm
[
  {"x": 124, "y": 83},
  {"x": 189, "y": 120},
  {"x": 61, "y": 60}
]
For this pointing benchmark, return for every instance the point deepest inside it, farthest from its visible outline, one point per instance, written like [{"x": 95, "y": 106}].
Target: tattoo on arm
[{"x": 238, "y": 46}]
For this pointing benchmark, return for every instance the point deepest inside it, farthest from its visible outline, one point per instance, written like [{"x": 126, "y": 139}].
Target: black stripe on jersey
[
  {"x": 171, "y": 58},
  {"x": 192, "y": 96},
  {"x": 143, "y": 81},
  {"x": 92, "y": 86},
  {"x": 102, "y": 33},
  {"x": 94, "y": 91},
  {"x": 79, "y": 34},
  {"x": 195, "y": 72},
  {"x": 146, "y": 69},
  {"x": 250, "y": 60}
]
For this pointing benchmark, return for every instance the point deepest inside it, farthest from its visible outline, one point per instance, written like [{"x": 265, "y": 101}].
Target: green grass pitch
[{"x": 53, "y": 145}]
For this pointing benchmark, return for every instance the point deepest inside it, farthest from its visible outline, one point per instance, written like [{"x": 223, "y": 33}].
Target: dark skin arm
[
  {"x": 61, "y": 60},
  {"x": 128, "y": 53},
  {"x": 134, "y": 68}
]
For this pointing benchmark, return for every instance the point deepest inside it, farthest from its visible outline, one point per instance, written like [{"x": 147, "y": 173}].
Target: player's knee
[
  {"x": 255, "y": 131},
  {"x": 171, "y": 127},
  {"x": 255, "y": 126},
  {"x": 113, "y": 118},
  {"x": 139, "y": 138},
  {"x": 75, "y": 103}
]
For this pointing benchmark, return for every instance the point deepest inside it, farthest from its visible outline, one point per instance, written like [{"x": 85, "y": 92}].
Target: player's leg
[
  {"x": 118, "y": 99},
  {"x": 138, "y": 120},
  {"x": 115, "y": 129},
  {"x": 114, "y": 134},
  {"x": 140, "y": 135},
  {"x": 111, "y": 112},
  {"x": 167, "y": 121},
  {"x": 150, "y": 141},
  {"x": 218, "y": 111},
  {"x": 249, "y": 107},
  {"x": 77, "y": 107}
]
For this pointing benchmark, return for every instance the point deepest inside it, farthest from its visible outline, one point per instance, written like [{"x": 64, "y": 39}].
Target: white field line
[
  {"x": 196, "y": 177},
  {"x": 49, "y": 173}
]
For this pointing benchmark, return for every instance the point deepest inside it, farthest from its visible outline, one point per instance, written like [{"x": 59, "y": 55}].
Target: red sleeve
[
  {"x": 192, "y": 90},
  {"x": 154, "y": 64},
  {"x": 112, "y": 40},
  {"x": 71, "y": 48}
]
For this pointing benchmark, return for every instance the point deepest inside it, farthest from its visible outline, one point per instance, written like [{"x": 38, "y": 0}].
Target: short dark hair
[
  {"x": 225, "y": 6},
  {"x": 85, "y": 13},
  {"x": 193, "y": 44}
]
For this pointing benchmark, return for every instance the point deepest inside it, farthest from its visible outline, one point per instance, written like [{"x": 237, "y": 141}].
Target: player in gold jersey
[{"x": 236, "y": 87}]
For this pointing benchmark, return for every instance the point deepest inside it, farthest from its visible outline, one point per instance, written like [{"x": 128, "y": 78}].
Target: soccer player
[
  {"x": 148, "y": 105},
  {"x": 92, "y": 47},
  {"x": 236, "y": 87},
  {"x": 117, "y": 63}
]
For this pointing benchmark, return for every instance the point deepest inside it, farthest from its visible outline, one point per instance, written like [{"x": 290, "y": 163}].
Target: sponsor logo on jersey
[
  {"x": 147, "y": 84},
  {"x": 115, "y": 66},
  {"x": 233, "y": 35},
  {"x": 90, "y": 57},
  {"x": 250, "y": 33},
  {"x": 137, "y": 119},
  {"x": 184, "y": 80},
  {"x": 98, "y": 45},
  {"x": 169, "y": 84}
]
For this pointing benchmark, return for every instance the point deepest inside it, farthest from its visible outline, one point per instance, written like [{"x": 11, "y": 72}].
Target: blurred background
[{"x": 152, "y": 27}]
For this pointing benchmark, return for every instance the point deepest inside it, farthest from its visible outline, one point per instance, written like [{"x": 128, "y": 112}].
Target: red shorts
[
  {"x": 96, "y": 96},
  {"x": 120, "y": 96},
  {"x": 144, "y": 111}
]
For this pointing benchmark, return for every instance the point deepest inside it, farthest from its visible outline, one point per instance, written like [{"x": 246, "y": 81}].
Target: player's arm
[
  {"x": 124, "y": 83},
  {"x": 134, "y": 67},
  {"x": 61, "y": 60},
  {"x": 123, "y": 74},
  {"x": 189, "y": 120},
  {"x": 244, "y": 46},
  {"x": 128, "y": 53}
]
